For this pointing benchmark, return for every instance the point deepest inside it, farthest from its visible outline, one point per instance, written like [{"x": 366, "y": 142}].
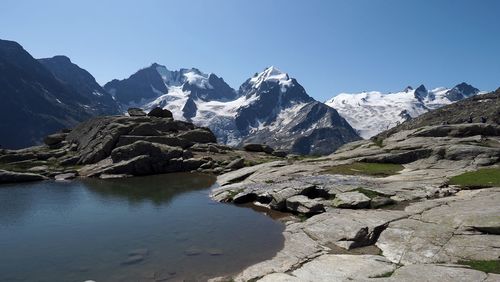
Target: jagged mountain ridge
[
  {"x": 269, "y": 107},
  {"x": 373, "y": 112},
  {"x": 34, "y": 101}
]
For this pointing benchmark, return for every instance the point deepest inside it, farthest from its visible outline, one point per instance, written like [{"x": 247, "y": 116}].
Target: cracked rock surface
[{"x": 409, "y": 226}]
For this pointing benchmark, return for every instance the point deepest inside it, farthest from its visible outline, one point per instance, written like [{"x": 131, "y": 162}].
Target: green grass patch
[
  {"x": 488, "y": 266},
  {"x": 482, "y": 178},
  {"x": 367, "y": 192},
  {"x": 302, "y": 217},
  {"x": 232, "y": 194},
  {"x": 371, "y": 169}
]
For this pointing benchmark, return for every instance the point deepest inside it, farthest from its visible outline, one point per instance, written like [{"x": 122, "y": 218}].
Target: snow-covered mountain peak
[{"x": 271, "y": 74}]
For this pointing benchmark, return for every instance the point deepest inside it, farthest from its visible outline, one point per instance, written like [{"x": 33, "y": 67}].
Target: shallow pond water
[{"x": 153, "y": 228}]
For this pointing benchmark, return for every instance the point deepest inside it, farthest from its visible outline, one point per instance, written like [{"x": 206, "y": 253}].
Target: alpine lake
[{"x": 154, "y": 228}]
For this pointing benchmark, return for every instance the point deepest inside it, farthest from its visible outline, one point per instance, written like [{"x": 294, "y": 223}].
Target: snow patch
[{"x": 198, "y": 79}]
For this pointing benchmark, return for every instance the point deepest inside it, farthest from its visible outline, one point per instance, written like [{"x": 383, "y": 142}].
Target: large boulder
[
  {"x": 351, "y": 200},
  {"x": 14, "y": 177},
  {"x": 236, "y": 164},
  {"x": 97, "y": 137},
  {"x": 199, "y": 135},
  {"x": 255, "y": 147},
  {"x": 161, "y": 113},
  {"x": 302, "y": 204},
  {"x": 280, "y": 153},
  {"x": 193, "y": 163},
  {"x": 136, "y": 112}
]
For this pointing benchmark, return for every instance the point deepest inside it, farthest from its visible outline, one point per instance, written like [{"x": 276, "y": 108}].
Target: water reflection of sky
[{"x": 57, "y": 229}]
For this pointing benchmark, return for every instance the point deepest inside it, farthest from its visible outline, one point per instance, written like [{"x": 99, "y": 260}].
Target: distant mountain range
[
  {"x": 269, "y": 107},
  {"x": 477, "y": 109},
  {"x": 373, "y": 112},
  {"x": 42, "y": 96}
]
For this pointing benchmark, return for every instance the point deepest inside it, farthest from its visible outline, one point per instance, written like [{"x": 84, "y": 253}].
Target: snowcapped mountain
[
  {"x": 269, "y": 107},
  {"x": 282, "y": 115},
  {"x": 373, "y": 112}
]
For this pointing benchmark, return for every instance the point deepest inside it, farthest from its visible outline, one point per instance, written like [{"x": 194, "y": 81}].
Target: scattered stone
[
  {"x": 218, "y": 170},
  {"x": 302, "y": 204},
  {"x": 207, "y": 165},
  {"x": 267, "y": 149},
  {"x": 199, "y": 135},
  {"x": 280, "y": 153},
  {"x": 193, "y": 163},
  {"x": 236, "y": 164},
  {"x": 351, "y": 200},
  {"x": 65, "y": 176},
  {"x": 253, "y": 147},
  {"x": 114, "y": 176}
]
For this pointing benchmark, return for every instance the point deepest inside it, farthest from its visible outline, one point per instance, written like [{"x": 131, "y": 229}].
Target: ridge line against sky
[{"x": 330, "y": 47}]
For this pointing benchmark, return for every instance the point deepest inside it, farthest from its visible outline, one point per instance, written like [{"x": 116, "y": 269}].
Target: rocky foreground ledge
[
  {"x": 420, "y": 205},
  {"x": 124, "y": 146}
]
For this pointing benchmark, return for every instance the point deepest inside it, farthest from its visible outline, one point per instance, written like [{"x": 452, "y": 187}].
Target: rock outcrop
[
  {"x": 120, "y": 146},
  {"x": 358, "y": 225}
]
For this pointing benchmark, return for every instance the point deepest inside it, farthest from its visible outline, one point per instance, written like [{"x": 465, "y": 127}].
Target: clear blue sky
[{"x": 329, "y": 46}]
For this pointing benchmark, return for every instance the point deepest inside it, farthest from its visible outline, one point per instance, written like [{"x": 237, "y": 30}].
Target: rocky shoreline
[
  {"x": 395, "y": 208},
  {"x": 381, "y": 210}
]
